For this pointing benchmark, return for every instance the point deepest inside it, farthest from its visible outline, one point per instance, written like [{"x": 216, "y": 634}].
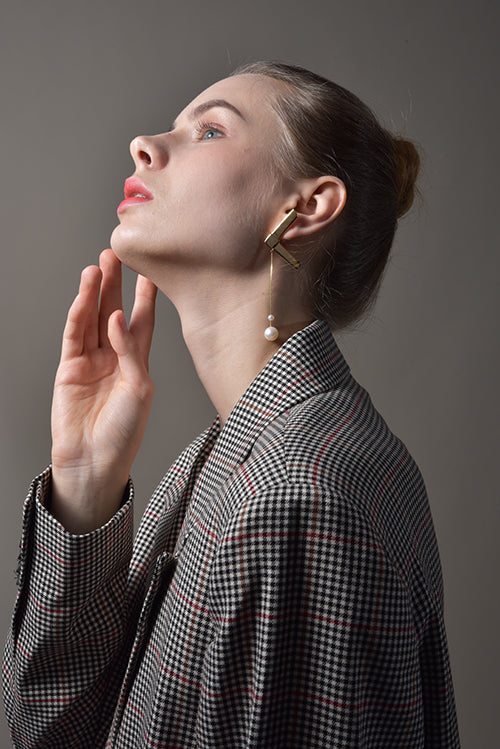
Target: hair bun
[{"x": 406, "y": 173}]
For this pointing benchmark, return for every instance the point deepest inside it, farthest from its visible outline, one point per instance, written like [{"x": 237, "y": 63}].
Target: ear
[{"x": 319, "y": 201}]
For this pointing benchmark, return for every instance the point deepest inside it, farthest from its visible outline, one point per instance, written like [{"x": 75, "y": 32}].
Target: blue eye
[
  {"x": 211, "y": 133},
  {"x": 207, "y": 130}
]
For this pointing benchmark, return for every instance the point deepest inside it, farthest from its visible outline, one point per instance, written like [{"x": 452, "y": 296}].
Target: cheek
[{"x": 236, "y": 175}]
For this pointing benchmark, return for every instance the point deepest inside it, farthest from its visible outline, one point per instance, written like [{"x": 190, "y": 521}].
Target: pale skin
[{"x": 200, "y": 241}]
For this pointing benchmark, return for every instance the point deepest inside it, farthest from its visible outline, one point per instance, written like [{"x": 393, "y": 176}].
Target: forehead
[{"x": 251, "y": 94}]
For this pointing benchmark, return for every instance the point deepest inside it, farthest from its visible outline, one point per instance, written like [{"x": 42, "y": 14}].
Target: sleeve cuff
[{"x": 48, "y": 547}]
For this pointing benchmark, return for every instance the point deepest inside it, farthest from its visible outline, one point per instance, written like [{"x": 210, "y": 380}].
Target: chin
[
  {"x": 133, "y": 252},
  {"x": 125, "y": 243},
  {"x": 125, "y": 248},
  {"x": 117, "y": 238}
]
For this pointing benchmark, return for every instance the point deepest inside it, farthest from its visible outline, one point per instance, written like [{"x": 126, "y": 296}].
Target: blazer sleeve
[
  {"x": 67, "y": 626},
  {"x": 316, "y": 644}
]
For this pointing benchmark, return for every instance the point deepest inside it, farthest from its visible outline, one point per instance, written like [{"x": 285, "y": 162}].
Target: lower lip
[{"x": 131, "y": 201}]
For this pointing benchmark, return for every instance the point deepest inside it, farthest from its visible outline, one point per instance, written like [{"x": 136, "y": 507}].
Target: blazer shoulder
[{"x": 340, "y": 430}]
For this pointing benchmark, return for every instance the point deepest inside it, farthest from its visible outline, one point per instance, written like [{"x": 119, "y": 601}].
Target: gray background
[{"x": 79, "y": 79}]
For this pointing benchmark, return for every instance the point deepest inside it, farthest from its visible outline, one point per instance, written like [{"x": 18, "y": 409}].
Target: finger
[
  {"x": 111, "y": 292},
  {"x": 80, "y": 330},
  {"x": 130, "y": 359},
  {"x": 142, "y": 320}
]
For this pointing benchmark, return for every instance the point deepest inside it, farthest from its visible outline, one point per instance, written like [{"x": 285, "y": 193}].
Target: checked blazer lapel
[
  {"x": 158, "y": 533},
  {"x": 290, "y": 377},
  {"x": 164, "y": 515}
]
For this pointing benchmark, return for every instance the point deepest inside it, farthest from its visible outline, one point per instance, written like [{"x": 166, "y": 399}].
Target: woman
[{"x": 284, "y": 587}]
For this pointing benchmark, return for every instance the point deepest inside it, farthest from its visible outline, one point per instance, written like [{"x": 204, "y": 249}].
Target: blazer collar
[{"x": 308, "y": 363}]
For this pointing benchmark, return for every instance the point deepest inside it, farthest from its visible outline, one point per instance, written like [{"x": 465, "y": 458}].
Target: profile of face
[{"x": 204, "y": 193}]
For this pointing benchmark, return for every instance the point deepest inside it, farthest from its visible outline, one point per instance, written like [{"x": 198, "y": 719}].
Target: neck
[{"x": 223, "y": 326}]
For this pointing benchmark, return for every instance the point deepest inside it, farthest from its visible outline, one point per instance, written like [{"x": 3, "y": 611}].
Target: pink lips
[{"x": 135, "y": 192}]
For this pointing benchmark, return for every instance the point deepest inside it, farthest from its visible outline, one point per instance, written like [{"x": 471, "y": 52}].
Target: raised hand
[{"x": 102, "y": 396}]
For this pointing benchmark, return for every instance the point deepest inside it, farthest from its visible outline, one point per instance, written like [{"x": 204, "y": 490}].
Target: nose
[{"x": 149, "y": 151}]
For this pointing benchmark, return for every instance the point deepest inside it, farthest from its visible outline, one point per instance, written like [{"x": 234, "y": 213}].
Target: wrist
[{"x": 82, "y": 504}]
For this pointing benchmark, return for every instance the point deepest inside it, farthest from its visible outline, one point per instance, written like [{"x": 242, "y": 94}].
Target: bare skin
[
  {"x": 200, "y": 241},
  {"x": 102, "y": 397}
]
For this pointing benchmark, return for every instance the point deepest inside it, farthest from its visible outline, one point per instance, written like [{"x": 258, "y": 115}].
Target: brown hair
[{"x": 328, "y": 130}]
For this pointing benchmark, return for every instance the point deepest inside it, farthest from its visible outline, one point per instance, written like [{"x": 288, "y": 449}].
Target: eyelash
[{"x": 202, "y": 127}]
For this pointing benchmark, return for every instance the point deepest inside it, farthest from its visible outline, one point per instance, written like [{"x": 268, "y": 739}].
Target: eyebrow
[{"x": 206, "y": 105}]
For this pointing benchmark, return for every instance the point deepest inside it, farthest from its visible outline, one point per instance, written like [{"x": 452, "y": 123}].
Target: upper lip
[{"x": 134, "y": 188}]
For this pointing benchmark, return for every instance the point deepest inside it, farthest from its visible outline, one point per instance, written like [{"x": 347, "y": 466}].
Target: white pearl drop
[
  {"x": 270, "y": 318},
  {"x": 271, "y": 333}
]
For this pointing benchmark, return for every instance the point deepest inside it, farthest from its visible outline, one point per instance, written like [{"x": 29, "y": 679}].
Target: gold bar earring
[{"x": 272, "y": 240}]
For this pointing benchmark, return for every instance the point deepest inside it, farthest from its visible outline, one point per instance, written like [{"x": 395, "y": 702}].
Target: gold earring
[{"x": 273, "y": 242}]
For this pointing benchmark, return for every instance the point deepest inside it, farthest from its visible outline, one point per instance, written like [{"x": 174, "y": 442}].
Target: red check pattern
[{"x": 284, "y": 589}]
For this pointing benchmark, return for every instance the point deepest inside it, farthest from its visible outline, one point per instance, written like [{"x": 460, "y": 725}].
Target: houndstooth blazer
[{"x": 284, "y": 589}]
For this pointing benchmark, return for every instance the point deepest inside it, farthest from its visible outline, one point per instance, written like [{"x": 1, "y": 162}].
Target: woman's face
[{"x": 206, "y": 192}]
